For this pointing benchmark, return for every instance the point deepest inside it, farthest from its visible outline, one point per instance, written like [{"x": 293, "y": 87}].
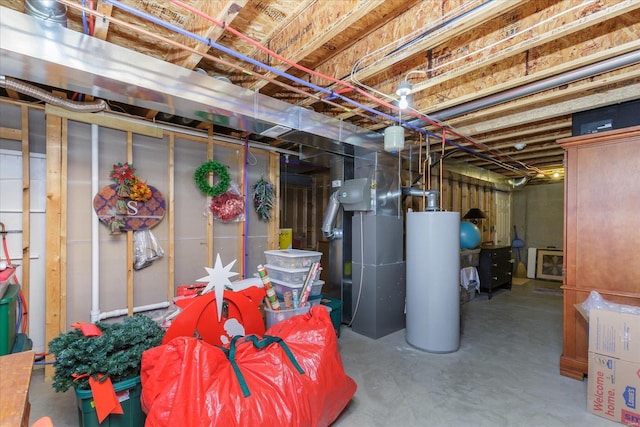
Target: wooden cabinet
[
  {"x": 495, "y": 268},
  {"x": 601, "y": 231}
]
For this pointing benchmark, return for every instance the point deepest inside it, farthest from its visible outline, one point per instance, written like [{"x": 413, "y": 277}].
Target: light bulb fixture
[
  {"x": 519, "y": 146},
  {"x": 403, "y": 103},
  {"x": 556, "y": 174},
  {"x": 404, "y": 90}
]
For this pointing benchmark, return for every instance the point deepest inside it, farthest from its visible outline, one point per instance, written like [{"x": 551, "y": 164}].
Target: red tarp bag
[{"x": 291, "y": 376}]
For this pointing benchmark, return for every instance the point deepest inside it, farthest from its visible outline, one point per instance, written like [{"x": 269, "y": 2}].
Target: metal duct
[
  {"x": 74, "y": 61},
  {"x": 43, "y": 95},
  {"x": 330, "y": 216},
  {"x": 48, "y": 11},
  {"x": 499, "y": 182},
  {"x": 518, "y": 183}
]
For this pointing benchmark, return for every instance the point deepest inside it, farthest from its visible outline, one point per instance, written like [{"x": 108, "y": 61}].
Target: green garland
[
  {"x": 117, "y": 353},
  {"x": 201, "y": 177},
  {"x": 263, "y": 194}
]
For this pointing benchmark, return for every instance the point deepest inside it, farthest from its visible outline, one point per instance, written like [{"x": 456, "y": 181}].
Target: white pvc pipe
[
  {"x": 95, "y": 231},
  {"x": 125, "y": 311}
]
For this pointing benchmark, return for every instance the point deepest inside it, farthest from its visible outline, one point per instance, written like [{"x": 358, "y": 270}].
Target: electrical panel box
[
  {"x": 355, "y": 194},
  {"x": 611, "y": 117}
]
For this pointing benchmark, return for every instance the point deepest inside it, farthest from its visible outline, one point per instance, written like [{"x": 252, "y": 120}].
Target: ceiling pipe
[
  {"x": 310, "y": 85},
  {"x": 123, "y": 75},
  {"x": 256, "y": 63},
  {"x": 538, "y": 86}
]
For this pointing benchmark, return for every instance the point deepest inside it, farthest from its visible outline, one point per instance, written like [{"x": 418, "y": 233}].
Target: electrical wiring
[
  {"x": 85, "y": 25},
  {"x": 330, "y": 93},
  {"x": 245, "y": 58},
  {"x": 209, "y": 43},
  {"x": 204, "y": 55}
]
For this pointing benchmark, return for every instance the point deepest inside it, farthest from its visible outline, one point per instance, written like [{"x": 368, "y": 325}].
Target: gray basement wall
[{"x": 538, "y": 214}]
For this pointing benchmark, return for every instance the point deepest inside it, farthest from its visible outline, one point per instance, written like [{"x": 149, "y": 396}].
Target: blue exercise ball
[{"x": 469, "y": 235}]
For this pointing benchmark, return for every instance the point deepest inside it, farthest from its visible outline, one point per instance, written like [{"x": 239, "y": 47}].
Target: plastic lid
[
  {"x": 295, "y": 285},
  {"x": 286, "y": 270},
  {"x": 293, "y": 253}
]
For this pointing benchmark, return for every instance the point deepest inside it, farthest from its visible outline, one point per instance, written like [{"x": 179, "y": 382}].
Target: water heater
[{"x": 433, "y": 280}]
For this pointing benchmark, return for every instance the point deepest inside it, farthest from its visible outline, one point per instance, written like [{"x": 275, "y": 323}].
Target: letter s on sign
[{"x": 133, "y": 207}]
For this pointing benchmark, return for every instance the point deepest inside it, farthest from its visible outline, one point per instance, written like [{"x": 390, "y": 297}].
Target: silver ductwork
[
  {"x": 431, "y": 197},
  {"x": 48, "y": 11},
  {"x": 66, "y": 59},
  {"x": 518, "y": 183},
  {"x": 330, "y": 216}
]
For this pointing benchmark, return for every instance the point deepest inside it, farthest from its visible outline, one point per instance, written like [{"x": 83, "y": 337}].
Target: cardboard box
[
  {"x": 615, "y": 334},
  {"x": 613, "y": 388}
]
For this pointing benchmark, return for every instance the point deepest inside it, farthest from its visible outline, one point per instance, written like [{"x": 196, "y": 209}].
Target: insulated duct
[
  {"x": 518, "y": 183},
  {"x": 43, "y": 95},
  {"x": 330, "y": 216}
]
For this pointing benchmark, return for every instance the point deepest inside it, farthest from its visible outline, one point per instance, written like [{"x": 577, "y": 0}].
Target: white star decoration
[{"x": 218, "y": 278}]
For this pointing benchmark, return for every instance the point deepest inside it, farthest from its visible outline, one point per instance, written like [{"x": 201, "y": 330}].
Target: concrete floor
[{"x": 504, "y": 374}]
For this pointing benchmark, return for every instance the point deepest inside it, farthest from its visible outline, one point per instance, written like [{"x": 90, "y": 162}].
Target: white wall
[{"x": 151, "y": 159}]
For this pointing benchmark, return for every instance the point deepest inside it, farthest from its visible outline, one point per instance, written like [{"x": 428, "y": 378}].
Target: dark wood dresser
[{"x": 495, "y": 268}]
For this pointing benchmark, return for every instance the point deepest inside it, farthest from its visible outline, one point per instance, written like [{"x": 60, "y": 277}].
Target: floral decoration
[
  {"x": 122, "y": 173},
  {"x": 139, "y": 191},
  {"x": 129, "y": 187}
]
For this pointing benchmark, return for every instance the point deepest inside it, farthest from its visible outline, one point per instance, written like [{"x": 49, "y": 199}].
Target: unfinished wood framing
[
  {"x": 53, "y": 282},
  {"x": 273, "y": 173},
  {"x": 63, "y": 223},
  {"x": 26, "y": 203}
]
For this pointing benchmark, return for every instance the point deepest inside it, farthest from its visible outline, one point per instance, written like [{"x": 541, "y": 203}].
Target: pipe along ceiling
[{"x": 56, "y": 56}]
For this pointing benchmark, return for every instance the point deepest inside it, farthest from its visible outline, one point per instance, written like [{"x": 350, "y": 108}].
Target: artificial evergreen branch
[
  {"x": 263, "y": 194},
  {"x": 117, "y": 353}
]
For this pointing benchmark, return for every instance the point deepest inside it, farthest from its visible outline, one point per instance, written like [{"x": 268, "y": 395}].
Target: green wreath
[{"x": 201, "y": 177}]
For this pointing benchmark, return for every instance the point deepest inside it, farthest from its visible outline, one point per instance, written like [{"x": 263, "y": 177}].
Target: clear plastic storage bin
[
  {"x": 292, "y": 258},
  {"x": 288, "y": 275},
  {"x": 282, "y": 287},
  {"x": 275, "y": 316}
]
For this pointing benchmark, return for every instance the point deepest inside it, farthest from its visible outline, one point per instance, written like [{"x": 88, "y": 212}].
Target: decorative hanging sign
[{"x": 130, "y": 204}]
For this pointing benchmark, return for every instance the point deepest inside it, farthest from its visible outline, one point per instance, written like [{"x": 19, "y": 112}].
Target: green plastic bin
[
  {"x": 8, "y": 319},
  {"x": 336, "y": 311},
  {"x": 128, "y": 393}
]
